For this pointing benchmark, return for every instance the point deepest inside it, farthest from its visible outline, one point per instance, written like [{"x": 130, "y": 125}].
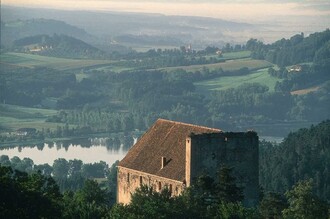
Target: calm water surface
[{"x": 47, "y": 153}]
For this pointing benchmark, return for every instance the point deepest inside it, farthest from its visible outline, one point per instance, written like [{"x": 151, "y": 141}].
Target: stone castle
[{"x": 173, "y": 154}]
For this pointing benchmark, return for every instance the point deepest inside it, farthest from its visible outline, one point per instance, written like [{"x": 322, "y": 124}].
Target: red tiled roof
[{"x": 164, "y": 139}]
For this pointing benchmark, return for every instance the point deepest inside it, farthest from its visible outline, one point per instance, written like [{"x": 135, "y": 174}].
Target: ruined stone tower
[{"x": 173, "y": 154}]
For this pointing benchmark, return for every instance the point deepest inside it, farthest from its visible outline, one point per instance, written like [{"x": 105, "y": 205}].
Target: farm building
[
  {"x": 173, "y": 154},
  {"x": 25, "y": 131}
]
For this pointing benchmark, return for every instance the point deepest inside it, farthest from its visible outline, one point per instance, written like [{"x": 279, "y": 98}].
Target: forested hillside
[
  {"x": 57, "y": 46},
  {"x": 302, "y": 155},
  {"x": 297, "y": 49}
]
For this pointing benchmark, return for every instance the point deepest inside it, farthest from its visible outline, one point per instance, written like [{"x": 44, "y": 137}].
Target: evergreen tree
[{"x": 303, "y": 204}]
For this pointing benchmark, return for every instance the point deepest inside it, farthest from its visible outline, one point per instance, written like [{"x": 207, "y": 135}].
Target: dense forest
[
  {"x": 297, "y": 49},
  {"x": 304, "y": 154}
]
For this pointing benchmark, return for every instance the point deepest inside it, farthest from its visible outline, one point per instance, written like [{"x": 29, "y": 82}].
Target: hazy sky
[{"x": 227, "y": 9}]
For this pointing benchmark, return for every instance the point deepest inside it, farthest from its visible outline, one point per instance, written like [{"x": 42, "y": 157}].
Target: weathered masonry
[{"x": 173, "y": 154}]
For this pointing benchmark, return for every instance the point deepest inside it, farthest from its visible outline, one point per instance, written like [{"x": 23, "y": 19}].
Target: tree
[
  {"x": 92, "y": 193},
  {"x": 227, "y": 190},
  {"x": 112, "y": 182},
  {"x": 234, "y": 211},
  {"x": 60, "y": 172},
  {"x": 119, "y": 211},
  {"x": 272, "y": 205},
  {"x": 89, "y": 202},
  {"x": 303, "y": 204},
  {"x": 4, "y": 160},
  {"x": 147, "y": 203},
  {"x": 28, "y": 196},
  {"x": 95, "y": 170},
  {"x": 45, "y": 169},
  {"x": 74, "y": 167},
  {"x": 60, "y": 168}
]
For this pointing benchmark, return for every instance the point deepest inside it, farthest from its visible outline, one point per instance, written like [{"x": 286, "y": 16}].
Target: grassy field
[
  {"x": 15, "y": 117},
  {"x": 237, "y": 55},
  {"x": 230, "y": 65},
  {"x": 231, "y": 55},
  {"x": 31, "y": 61},
  {"x": 222, "y": 83}
]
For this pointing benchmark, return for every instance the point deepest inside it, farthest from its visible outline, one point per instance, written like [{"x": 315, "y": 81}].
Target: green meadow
[
  {"x": 222, "y": 83},
  {"x": 237, "y": 55},
  {"x": 14, "y": 117},
  {"x": 231, "y": 55}
]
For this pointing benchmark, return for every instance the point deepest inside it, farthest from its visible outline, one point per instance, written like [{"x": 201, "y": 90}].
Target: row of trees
[
  {"x": 69, "y": 175},
  {"x": 35, "y": 195}
]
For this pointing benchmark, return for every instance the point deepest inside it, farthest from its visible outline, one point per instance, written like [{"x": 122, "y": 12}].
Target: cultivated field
[
  {"x": 31, "y": 61},
  {"x": 305, "y": 91},
  {"x": 222, "y": 83}
]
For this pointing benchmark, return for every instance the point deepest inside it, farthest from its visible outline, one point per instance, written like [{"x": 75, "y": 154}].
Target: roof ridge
[{"x": 189, "y": 124}]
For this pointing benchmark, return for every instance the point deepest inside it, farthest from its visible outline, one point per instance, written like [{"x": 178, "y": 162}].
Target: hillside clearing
[{"x": 222, "y": 83}]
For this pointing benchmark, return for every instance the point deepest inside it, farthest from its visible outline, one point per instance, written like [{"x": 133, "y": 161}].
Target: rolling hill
[
  {"x": 17, "y": 29},
  {"x": 117, "y": 27},
  {"x": 57, "y": 46}
]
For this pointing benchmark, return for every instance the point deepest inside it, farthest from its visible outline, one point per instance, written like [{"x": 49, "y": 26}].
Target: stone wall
[
  {"x": 206, "y": 153},
  {"x": 129, "y": 180}
]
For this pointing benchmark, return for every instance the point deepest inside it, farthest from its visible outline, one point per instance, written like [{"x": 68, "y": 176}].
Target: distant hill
[
  {"x": 142, "y": 28},
  {"x": 57, "y": 46},
  {"x": 14, "y": 30}
]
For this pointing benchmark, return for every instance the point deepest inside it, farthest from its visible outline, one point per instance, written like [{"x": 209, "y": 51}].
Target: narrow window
[
  {"x": 171, "y": 189},
  {"x": 128, "y": 177},
  {"x": 159, "y": 186},
  {"x": 140, "y": 180}
]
